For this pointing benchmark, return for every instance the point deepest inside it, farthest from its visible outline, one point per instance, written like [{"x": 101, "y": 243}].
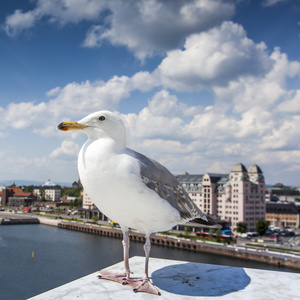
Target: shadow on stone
[{"x": 193, "y": 279}]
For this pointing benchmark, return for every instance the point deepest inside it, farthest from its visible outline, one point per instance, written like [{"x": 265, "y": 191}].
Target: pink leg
[
  {"x": 126, "y": 245},
  {"x": 120, "y": 277},
  {"x": 144, "y": 284},
  {"x": 138, "y": 285}
]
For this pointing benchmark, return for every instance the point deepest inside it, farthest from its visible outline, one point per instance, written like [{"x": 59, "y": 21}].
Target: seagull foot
[
  {"x": 143, "y": 285},
  {"x": 112, "y": 276}
]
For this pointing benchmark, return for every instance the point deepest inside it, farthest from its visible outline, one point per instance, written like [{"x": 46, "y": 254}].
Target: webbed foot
[{"x": 143, "y": 285}]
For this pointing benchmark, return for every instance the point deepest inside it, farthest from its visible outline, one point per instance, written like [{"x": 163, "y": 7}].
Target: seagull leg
[
  {"x": 120, "y": 277},
  {"x": 144, "y": 284},
  {"x": 126, "y": 245}
]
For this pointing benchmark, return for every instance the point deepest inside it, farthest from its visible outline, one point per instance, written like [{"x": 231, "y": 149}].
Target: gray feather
[{"x": 159, "y": 179}]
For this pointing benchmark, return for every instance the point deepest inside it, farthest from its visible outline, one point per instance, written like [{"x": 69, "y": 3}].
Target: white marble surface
[{"x": 185, "y": 280}]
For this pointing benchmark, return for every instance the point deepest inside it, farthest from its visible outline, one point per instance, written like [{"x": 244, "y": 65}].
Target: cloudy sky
[{"x": 199, "y": 84}]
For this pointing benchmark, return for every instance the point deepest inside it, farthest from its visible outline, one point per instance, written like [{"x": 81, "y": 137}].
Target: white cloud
[
  {"x": 20, "y": 21},
  {"x": 141, "y": 26},
  {"x": 267, "y": 3},
  {"x": 78, "y": 99},
  {"x": 56, "y": 11},
  {"x": 214, "y": 58},
  {"x": 68, "y": 149},
  {"x": 291, "y": 106},
  {"x": 147, "y": 125},
  {"x": 165, "y": 104},
  {"x": 23, "y": 115},
  {"x": 252, "y": 116},
  {"x": 71, "y": 101}
]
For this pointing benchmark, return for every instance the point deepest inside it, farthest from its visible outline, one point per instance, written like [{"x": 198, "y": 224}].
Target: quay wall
[
  {"x": 166, "y": 241},
  {"x": 18, "y": 221}
]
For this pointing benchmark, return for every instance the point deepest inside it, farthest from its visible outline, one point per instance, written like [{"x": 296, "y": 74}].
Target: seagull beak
[{"x": 65, "y": 126}]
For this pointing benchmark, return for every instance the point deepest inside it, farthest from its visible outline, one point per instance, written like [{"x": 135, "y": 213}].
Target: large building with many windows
[
  {"x": 49, "y": 190},
  {"x": 235, "y": 197}
]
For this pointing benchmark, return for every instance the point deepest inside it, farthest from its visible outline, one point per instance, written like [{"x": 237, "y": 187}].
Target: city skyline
[{"x": 200, "y": 85}]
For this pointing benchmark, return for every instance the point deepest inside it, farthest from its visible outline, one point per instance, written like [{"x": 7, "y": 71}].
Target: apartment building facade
[
  {"x": 50, "y": 190},
  {"x": 89, "y": 209},
  {"x": 235, "y": 197},
  {"x": 281, "y": 214}
]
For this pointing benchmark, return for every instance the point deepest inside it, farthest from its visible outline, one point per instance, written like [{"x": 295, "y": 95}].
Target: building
[
  {"x": 282, "y": 193},
  {"x": 49, "y": 191},
  {"x": 235, "y": 197},
  {"x": 89, "y": 209},
  {"x": 67, "y": 199},
  {"x": 76, "y": 184},
  {"x": 15, "y": 197},
  {"x": 281, "y": 214}
]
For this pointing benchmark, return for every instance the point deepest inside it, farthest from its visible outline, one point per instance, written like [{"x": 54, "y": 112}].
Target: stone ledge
[{"x": 184, "y": 280}]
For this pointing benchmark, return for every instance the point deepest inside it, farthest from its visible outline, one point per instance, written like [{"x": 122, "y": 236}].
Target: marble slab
[{"x": 184, "y": 280}]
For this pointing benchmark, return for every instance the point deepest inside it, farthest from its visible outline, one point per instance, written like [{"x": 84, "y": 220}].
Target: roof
[
  {"x": 190, "y": 178},
  {"x": 49, "y": 183},
  {"x": 255, "y": 169},
  {"x": 214, "y": 178},
  {"x": 222, "y": 178},
  {"x": 239, "y": 167},
  {"x": 21, "y": 194},
  {"x": 282, "y": 208}
]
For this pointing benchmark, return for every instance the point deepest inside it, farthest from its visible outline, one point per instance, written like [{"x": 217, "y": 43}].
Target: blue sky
[{"x": 200, "y": 85}]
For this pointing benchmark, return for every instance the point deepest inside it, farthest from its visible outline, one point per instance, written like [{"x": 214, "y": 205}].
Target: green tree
[
  {"x": 261, "y": 226},
  {"x": 187, "y": 230},
  {"x": 72, "y": 192},
  {"x": 241, "y": 227},
  {"x": 95, "y": 219},
  {"x": 28, "y": 189},
  {"x": 42, "y": 193}
]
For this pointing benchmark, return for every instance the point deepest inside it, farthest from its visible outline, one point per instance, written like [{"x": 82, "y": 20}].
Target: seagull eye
[{"x": 102, "y": 118}]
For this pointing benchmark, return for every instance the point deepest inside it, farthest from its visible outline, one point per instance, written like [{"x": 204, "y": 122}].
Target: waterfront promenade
[{"x": 239, "y": 250}]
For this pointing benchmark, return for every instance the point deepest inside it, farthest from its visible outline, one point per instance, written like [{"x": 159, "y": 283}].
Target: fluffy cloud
[
  {"x": 20, "y": 21},
  {"x": 142, "y": 26},
  {"x": 61, "y": 11},
  {"x": 214, "y": 58},
  {"x": 163, "y": 103},
  {"x": 272, "y": 2},
  {"x": 138, "y": 25},
  {"x": 68, "y": 149},
  {"x": 23, "y": 115},
  {"x": 72, "y": 101},
  {"x": 83, "y": 98},
  {"x": 252, "y": 114}
]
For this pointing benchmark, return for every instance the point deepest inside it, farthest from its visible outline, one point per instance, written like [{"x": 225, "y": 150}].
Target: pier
[{"x": 17, "y": 220}]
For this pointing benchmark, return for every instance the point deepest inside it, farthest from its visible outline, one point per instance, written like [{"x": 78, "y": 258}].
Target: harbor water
[{"x": 36, "y": 258}]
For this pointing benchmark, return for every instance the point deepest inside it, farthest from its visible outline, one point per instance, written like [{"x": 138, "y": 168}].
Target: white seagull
[{"x": 129, "y": 188}]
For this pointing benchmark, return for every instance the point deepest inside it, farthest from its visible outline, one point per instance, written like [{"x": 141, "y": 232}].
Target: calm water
[{"x": 61, "y": 256}]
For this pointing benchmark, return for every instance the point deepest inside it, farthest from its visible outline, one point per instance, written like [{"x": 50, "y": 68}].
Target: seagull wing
[{"x": 159, "y": 179}]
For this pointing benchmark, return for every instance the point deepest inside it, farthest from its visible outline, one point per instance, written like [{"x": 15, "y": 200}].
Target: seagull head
[{"x": 101, "y": 124}]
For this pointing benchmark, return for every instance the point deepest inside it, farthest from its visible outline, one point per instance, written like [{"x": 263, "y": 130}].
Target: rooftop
[
  {"x": 184, "y": 280},
  {"x": 282, "y": 207},
  {"x": 254, "y": 169},
  {"x": 239, "y": 167}
]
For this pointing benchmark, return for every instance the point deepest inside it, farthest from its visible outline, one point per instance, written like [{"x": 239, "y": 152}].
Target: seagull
[{"x": 130, "y": 188}]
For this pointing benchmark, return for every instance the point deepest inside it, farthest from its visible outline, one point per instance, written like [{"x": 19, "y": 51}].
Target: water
[{"x": 61, "y": 256}]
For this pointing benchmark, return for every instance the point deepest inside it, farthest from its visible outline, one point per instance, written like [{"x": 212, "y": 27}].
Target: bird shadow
[{"x": 193, "y": 279}]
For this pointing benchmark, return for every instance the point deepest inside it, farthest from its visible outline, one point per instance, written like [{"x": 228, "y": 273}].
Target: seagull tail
[{"x": 210, "y": 222}]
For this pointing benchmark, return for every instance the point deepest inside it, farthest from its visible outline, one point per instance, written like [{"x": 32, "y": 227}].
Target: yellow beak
[{"x": 65, "y": 126}]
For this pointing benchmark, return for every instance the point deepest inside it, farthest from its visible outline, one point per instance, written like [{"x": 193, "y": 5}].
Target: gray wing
[{"x": 159, "y": 179}]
